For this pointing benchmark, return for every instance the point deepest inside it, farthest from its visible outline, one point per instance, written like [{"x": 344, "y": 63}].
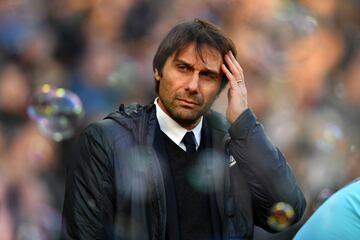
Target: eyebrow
[{"x": 206, "y": 70}]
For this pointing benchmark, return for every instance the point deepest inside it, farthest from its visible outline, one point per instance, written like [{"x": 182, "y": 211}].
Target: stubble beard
[{"x": 182, "y": 115}]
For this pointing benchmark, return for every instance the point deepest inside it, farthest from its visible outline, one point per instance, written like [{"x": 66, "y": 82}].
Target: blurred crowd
[{"x": 302, "y": 69}]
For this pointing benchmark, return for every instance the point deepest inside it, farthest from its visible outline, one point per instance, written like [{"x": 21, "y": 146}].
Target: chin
[
  {"x": 186, "y": 116},
  {"x": 186, "y": 122}
]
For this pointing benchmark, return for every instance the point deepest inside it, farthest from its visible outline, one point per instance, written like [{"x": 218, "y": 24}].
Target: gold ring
[{"x": 239, "y": 81}]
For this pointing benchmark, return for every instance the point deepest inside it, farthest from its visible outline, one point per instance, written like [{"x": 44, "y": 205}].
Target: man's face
[{"x": 189, "y": 86}]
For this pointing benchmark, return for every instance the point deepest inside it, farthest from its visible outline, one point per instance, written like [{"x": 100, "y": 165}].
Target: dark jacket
[{"x": 116, "y": 191}]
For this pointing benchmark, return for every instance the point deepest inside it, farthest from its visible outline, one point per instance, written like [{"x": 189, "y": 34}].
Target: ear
[{"x": 156, "y": 75}]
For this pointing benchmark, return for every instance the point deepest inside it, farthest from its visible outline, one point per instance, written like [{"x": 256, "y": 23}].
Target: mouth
[{"x": 187, "y": 102}]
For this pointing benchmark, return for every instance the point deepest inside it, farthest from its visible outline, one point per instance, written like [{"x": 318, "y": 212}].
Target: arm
[
  {"x": 269, "y": 177},
  {"x": 88, "y": 205}
]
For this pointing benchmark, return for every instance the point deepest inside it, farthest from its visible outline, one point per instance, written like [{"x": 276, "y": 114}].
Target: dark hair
[{"x": 197, "y": 31}]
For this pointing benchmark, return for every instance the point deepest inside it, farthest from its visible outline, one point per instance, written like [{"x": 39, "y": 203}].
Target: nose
[{"x": 193, "y": 84}]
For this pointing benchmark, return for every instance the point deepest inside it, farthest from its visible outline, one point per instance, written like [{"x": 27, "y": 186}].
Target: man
[{"x": 175, "y": 169}]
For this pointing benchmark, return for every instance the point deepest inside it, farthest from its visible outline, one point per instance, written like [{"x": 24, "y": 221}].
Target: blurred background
[{"x": 66, "y": 63}]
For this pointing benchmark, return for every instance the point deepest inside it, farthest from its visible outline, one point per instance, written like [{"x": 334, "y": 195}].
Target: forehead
[{"x": 205, "y": 54}]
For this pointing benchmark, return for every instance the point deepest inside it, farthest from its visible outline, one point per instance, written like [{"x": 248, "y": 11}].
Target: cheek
[
  {"x": 170, "y": 84},
  {"x": 210, "y": 91},
  {"x": 166, "y": 88}
]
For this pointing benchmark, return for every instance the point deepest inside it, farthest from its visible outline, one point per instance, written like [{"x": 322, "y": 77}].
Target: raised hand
[{"x": 237, "y": 93}]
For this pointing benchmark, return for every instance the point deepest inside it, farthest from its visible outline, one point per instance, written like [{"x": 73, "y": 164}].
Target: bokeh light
[
  {"x": 327, "y": 131},
  {"x": 56, "y": 111},
  {"x": 137, "y": 177},
  {"x": 281, "y": 29},
  {"x": 281, "y": 215},
  {"x": 291, "y": 24},
  {"x": 328, "y": 136},
  {"x": 209, "y": 169}
]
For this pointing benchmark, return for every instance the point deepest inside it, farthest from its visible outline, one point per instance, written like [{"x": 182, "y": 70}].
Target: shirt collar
[{"x": 173, "y": 130}]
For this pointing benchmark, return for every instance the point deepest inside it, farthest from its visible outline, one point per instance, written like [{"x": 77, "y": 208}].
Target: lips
[{"x": 188, "y": 102}]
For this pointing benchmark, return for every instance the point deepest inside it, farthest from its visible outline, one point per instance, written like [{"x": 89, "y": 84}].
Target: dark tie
[{"x": 189, "y": 141}]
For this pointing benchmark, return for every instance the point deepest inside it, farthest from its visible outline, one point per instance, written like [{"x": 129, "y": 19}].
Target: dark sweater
[{"x": 192, "y": 202}]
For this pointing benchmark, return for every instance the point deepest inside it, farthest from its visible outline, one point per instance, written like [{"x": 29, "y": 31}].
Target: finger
[
  {"x": 230, "y": 77},
  {"x": 232, "y": 67},
  {"x": 237, "y": 73},
  {"x": 240, "y": 78},
  {"x": 237, "y": 64}
]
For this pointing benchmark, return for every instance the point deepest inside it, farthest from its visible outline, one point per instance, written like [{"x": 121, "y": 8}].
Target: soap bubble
[
  {"x": 40, "y": 106},
  {"x": 281, "y": 215},
  {"x": 56, "y": 111}
]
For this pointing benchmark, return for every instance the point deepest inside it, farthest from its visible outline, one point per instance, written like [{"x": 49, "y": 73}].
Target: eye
[
  {"x": 182, "y": 68},
  {"x": 209, "y": 76}
]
